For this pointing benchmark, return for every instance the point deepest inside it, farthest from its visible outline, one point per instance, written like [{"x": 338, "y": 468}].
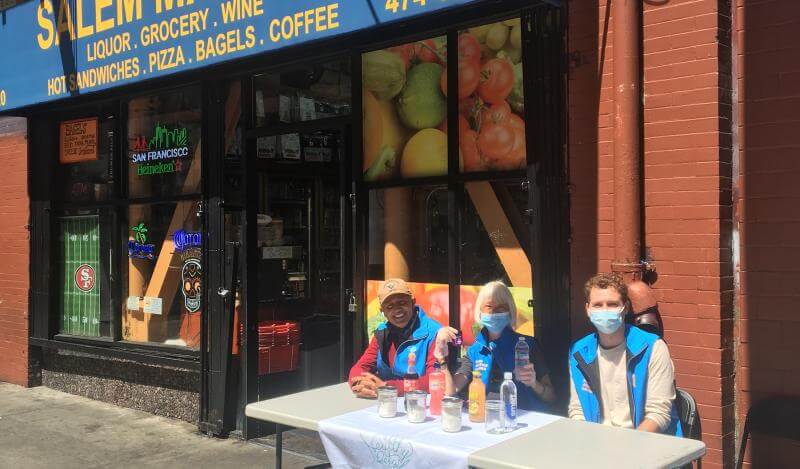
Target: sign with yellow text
[
  {"x": 78, "y": 141},
  {"x": 55, "y": 49}
]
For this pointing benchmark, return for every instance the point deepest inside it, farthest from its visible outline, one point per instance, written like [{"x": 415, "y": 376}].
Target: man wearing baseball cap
[{"x": 407, "y": 336}]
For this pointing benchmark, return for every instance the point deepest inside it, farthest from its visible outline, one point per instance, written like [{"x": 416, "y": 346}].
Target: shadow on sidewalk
[{"x": 41, "y": 427}]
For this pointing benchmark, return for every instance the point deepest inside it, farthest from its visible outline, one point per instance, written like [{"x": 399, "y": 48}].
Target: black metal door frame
[
  {"x": 543, "y": 62},
  {"x": 219, "y": 379}
]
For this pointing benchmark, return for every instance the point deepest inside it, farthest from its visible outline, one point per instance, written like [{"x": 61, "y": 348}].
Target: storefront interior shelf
[
  {"x": 288, "y": 202},
  {"x": 299, "y": 127},
  {"x": 307, "y": 167}
]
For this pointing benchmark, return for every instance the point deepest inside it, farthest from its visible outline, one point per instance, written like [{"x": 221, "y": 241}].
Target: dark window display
[
  {"x": 405, "y": 111},
  {"x": 303, "y": 93},
  {"x": 86, "y": 160},
  {"x": 322, "y": 146},
  {"x": 163, "y": 299},
  {"x": 491, "y": 109},
  {"x": 163, "y": 147}
]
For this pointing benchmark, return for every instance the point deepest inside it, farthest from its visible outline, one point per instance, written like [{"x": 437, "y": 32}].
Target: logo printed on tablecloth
[{"x": 387, "y": 451}]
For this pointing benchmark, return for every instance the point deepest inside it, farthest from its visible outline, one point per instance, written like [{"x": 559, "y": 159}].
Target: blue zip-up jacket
[
  {"x": 484, "y": 353},
  {"x": 586, "y": 376},
  {"x": 421, "y": 339}
]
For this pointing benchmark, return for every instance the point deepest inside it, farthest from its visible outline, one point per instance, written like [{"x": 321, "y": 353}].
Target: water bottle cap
[{"x": 507, "y": 375}]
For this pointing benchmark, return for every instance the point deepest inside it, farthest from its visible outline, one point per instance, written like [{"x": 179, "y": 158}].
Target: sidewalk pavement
[{"x": 44, "y": 428}]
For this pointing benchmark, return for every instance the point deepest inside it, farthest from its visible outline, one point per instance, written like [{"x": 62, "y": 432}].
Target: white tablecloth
[{"x": 362, "y": 439}]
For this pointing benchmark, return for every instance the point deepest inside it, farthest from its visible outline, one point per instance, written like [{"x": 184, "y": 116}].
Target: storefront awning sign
[{"x": 55, "y": 49}]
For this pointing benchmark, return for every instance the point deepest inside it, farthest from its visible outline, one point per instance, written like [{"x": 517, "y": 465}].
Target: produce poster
[
  {"x": 74, "y": 47},
  {"x": 433, "y": 298},
  {"x": 79, "y": 240},
  {"x": 404, "y": 99}
]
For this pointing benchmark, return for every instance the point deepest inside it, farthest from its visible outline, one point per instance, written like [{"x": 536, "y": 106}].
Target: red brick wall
[
  {"x": 687, "y": 170},
  {"x": 767, "y": 47},
  {"x": 14, "y": 249}
]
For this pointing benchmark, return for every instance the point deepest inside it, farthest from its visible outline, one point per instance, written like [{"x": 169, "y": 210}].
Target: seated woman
[{"x": 493, "y": 353}]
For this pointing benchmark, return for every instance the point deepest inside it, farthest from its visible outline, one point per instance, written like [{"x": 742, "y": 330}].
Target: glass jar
[
  {"x": 494, "y": 419},
  {"x": 451, "y": 414},
  {"x": 387, "y": 401},
  {"x": 415, "y": 406}
]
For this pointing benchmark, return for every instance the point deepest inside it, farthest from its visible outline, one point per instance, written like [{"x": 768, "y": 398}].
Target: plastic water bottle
[
  {"x": 522, "y": 353},
  {"x": 508, "y": 394}
]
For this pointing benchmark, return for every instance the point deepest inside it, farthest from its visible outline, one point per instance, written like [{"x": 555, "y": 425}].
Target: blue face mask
[
  {"x": 606, "y": 321},
  {"x": 495, "y": 322}
]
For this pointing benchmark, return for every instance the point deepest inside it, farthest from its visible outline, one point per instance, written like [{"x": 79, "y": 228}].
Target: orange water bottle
[
  {"x": 436, "y": 388},
  {"x": 477, "y": 398}
]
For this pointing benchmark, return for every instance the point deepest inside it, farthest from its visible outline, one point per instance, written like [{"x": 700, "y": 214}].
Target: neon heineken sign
[{"x": 163, "y": 153}]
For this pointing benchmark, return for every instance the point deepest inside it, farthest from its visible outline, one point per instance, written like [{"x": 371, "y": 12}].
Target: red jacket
[{"x": 367, "y": 364}]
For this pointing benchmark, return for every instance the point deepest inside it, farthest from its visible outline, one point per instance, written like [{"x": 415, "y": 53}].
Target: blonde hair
[{"x": 497, "y": 292}]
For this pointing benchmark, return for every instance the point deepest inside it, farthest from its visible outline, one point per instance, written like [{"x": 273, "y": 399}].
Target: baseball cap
[{"x": 393, "y": 286}]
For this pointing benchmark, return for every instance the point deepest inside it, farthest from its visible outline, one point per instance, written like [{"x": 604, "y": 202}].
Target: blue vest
[
  {"x": 421, "y": 339},
  {"x": 586, "y": 376},
  {"x": 484, "y": 353}
]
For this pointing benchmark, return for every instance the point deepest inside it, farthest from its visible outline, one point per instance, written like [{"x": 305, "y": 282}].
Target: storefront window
[
  {"x": 494, "y": 246},
  {"x": 491, "y": 109},
  {"x": 81, "y": 274},
  {"x": 405, "y": 111},
  {"x": 405, "y": 126},
  {"x": 163, "y": 147},
  {"x": 86, "y": 155},
  {"x": 408, "y": 239},
  {"x": 303, "y": 93},
  {"x": 162, "y": 302}
]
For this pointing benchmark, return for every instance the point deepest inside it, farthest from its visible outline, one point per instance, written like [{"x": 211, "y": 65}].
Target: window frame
[
  {"x": 47, "y": 332},
  {"x": 455, "y": 180}
]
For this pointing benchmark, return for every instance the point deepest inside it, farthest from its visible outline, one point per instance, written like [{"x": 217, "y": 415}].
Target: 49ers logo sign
[{"x": 84, "y": 277}]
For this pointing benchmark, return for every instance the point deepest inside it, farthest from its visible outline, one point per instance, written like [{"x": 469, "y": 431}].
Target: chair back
[
  {"x": 774, "y": 416},
  {"x": 687, "y": 413}
]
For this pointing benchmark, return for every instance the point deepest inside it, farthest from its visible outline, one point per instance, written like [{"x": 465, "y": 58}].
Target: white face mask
[{"x": 607, "y": 321}]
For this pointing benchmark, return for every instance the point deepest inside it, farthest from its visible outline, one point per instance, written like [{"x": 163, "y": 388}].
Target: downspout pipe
[{"x": 627, "y": 139}]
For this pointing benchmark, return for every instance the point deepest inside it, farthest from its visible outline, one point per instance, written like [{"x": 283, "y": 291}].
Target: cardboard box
[
  {"x": 285, "y": 106},
  {"x": 306, "y": 109},
  {"x": 267, "y": 147},
  {"x": 290, "y": 146}
]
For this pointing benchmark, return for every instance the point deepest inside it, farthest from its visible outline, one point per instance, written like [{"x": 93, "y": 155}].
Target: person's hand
[
  {"x": 366, "y": 385},
  {"x": 443, "y": 337},
  {"x": 526, "y": 375}
]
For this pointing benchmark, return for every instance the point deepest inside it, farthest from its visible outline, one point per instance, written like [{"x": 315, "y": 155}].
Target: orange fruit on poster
[
  {"x": 436, "y": 302},
  {"x": 468, "y": 295}
]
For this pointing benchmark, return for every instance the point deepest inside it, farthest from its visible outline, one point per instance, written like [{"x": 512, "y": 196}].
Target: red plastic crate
[
  {"x": 278, "y": 358},
  {"x": 277, "y": 333},
  {"x": 278, "y": 326}
]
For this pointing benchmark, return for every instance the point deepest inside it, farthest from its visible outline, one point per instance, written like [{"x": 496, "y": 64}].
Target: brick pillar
[
  {"x": 688, "y": 202},
  {"x": 14, "y": 251}
]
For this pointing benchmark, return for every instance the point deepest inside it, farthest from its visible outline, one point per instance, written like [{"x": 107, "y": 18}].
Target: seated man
[
  {"x": 406, "y": 335},
  {"x": 621, "y": 375}
]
